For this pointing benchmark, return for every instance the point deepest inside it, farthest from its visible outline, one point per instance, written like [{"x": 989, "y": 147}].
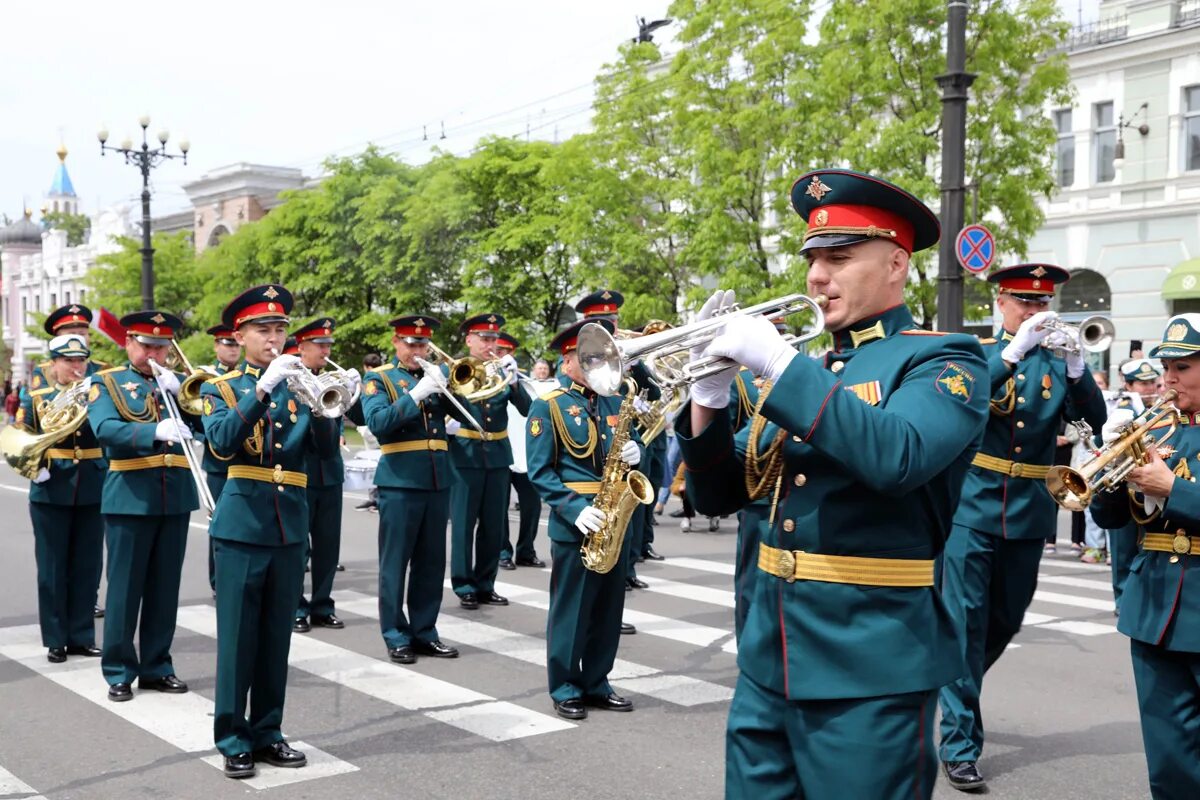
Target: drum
[{"x": 360, "y": 472}]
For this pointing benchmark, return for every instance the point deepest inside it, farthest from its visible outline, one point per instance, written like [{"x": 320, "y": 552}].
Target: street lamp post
[{"x": 145, "y": 160}]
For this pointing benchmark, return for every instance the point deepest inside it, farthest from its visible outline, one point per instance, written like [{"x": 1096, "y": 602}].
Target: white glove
[
  {"x": 1027, "y": 337},
  {"x": 42, "y": 476},
  {"x": 166, "y": 431},
  {"x": 640, "y": 405},
  {"x": 452, "y": 426},
  {"x": 631, "y": 454},
  {"x": 355, "y": 379},
  {"x": 87, "y": 384},
  {"x": 509, "y": 365},
  {"x": 756, "y": 343},
  {"x": 1116, "y": 420},
  {"x": 278, "y": 371},
  {"x": 589, "y": 520},
  {"x": 432, "y": 382},
  {"x": 168, "y": 381},
  {"x": 713, "y": 391}
]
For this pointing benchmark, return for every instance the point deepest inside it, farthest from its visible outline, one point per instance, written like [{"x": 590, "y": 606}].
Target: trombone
[{"x": 173, "y": 411}]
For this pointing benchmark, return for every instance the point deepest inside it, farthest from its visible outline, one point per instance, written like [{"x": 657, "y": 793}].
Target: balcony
[
  {"x": 1188, "y": 13},
  {"x": 1100, "y": 32}
]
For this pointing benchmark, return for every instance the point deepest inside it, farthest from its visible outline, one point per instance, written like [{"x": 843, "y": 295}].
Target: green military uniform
[
  {"x": 847, "y": 638},
  {"x": 67, "y": 528},
  {"x": 214, "y": 468},
  {"x": 1160, "y": 607},
  {"x": 479, "y": 498},
  {"x": 755, "y": 517},
  {"x": 147, "y": 499},
  {"x": 414, "y": 476},
  {"x": 989, "y": 571},
  {"x": 259, "y": 527},
  {"x": 568, "y": 436},
  {"x": 641, "y": 530}
]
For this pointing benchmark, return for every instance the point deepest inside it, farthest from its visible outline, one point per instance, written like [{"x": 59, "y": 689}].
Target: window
[
  {"x": 67, "y": 297},
  {"x": 1065, "y": 153},
  {"x": 1191, "y": 127},
  {"x": 53, "y": 300},
  {"x": 1105, "y": 141}
]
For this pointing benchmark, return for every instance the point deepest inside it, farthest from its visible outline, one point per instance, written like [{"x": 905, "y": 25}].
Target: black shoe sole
[
  {"x": 964, "y": 787},
  {"x": 574, "y": 716},
  {"x": 240, "y": 774},
  {"x": 120, "y": 698},
  {"x": 283, "y": 764}
]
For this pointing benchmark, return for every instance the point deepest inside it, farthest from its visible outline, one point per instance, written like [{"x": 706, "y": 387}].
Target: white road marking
[
  {"x": 1072, "y": 600},
  {"x": 17, "y": 789}
]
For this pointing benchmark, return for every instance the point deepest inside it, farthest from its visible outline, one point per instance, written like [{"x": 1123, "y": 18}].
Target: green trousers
[
  {"x": 216, "y": 482},
  {"x": 256, "y": 599},
  {"x": 1122, "y": 547},
  {"x": 583, "y": 625},
  {"x": 752, "y": 525},
  {"x": 478, "y": 512},
  {"x": 68, "y": 546},
  {"x": 145, "y": 560},
  {"x": 531, "y": 513},
  {"x": 641, "y": 525},
  {"x": 412, "y": 563},
  {"x": 1168, "y": 690},
  {"x": 325, "y": 535},
  {"x": 987, "y": 583},
  {"x": 875, "y": 747}
]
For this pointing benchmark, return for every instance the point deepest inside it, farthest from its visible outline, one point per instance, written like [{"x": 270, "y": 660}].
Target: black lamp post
[{"x": 145, "y": 160}]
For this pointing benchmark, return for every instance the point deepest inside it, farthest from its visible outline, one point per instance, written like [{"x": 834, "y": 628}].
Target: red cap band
[
  {"x": 259, "y": 311},
  {"x": 1027, "y": 285},
  {"x": 864, "y": 220},
  {"x": 74, "y": 319},
  {"x": 150, "y": 329},
  {"x": 601, "y": 309},
  {"x": 313, "y": 333},
  {"x": 415, "y": 329}
]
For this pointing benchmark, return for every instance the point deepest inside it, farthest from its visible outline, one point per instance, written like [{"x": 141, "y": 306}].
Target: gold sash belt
[
  {"x": 419, "y": 445},
  {"x": 78, "y": 454},
  {"x": 147, "y": 462},
  {"x": 266, "y": 475},
  {"x": 583, "y": 487},
  {"x": 793, "y": 565},
  {"x": 1013, "y": 469},
  {"x": 1177, "y": 543},
  {"x": 487, "y": 436}
]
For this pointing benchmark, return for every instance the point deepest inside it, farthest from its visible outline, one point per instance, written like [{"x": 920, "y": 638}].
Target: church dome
[{"x": 23, "y": 231}]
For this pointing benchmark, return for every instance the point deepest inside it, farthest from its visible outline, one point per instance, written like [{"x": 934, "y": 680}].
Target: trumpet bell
[
  {"x": 1096, "y": 334},
  {"x": 1069, "y": 488},
  {"x": 189, "y": 391}
]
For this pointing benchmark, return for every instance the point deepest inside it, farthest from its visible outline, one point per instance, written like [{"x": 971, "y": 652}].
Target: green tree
[{"x": 77, "y": 226}]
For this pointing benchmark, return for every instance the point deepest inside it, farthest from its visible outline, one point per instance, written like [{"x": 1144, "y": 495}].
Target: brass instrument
[
  {"x": 622, "y": 489},
  {"x": 471, "y": 379},
  {"x": 1094, "y": 335},
  {"x": 193, "y": 461},
  {"x": 604, "y": 358},
  {"x": 328, "y": 394},
  {"x": 653, "y": 421},
  {"x": 189, "y": 387},
  {"x": 1073, "y": 489},
  {"x": 25, "y": 450}
]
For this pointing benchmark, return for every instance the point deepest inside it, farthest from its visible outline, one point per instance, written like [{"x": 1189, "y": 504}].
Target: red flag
[{"x": 106, "y": 322}]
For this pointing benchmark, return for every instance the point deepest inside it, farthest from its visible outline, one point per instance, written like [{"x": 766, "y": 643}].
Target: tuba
[
  {"x": 1073, "y": 489},
  {"x": 189, "y": 388},
  {"x": 622, "y": 489},
  {"x": 60, "y": 417}
]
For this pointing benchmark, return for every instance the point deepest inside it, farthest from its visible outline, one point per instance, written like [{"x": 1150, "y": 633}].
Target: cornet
[
  {"x": 603, "y": 358},
  {"x": 1093, "y": 335},
  {"x": 328, "y": 394}
]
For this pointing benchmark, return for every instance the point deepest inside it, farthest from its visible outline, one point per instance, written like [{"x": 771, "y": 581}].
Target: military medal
[
  {"x": 292, "y": 411},
  {"x": 575, "y": 411},
  {"x": 1046, "y": 384}
]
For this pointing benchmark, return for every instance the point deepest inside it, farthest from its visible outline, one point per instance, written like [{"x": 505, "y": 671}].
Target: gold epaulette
[
  {"x": 989, "y": 340},
  {"x": 233, "y": 373},
  {"x": 102, "y": 365},
  {"x": 109, "y": 370},
  {"x": 922, "y": 332},
  {"x": 553, "y": 393},
  {"x": 383, "y": 368},
  {"x": 40, "y": 392}
]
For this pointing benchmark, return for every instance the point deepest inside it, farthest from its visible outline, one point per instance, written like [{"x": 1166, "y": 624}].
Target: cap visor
[
  {"x": 833, "y": 240},
  {"x": 416, "y": 340},
  {"x": 152, "y": 340},
  {"x": 1174, "y": 351}
]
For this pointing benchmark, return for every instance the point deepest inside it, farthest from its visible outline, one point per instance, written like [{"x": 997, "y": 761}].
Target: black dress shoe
[
  {"x": 167, "y": 683},
  {"x": 367, "y": 504},
  {"x": 628, "y": 588},
  {"x": 637, "y": 583},
  {"x": 301, "y": 625},
  {"x": 627, "y": 629},
  {"x": 530, "y": 562},
  {"x": 330, "y": 621},
  {"x": 402, "y": 655},
  {"x": 652, "y": 555},
  {"x": 677, "y": 513},
  {"x": 610, "y": 702},
  {"x": 713, "y": 523},
  {"x": 120, "y": 692},
  {"x": 964, "y": 775},
  {"x": 571, "y": 709},
  {"x": 97, "y": 612},
  {"x": 239, "y": 766},
  {"x": 83, "y": 650},
  {"x": 507, "y": 563},
  {"x": 281, "y": 754},
  {"x": 493, "y": 599},
  {"x": 468, "y": 600},
  {"x": 435, "y": 649},
  {"x": 56, "y": 655}
]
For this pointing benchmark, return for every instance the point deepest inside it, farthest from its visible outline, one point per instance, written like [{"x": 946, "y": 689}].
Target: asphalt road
[{"x": 1060, "y": 708}]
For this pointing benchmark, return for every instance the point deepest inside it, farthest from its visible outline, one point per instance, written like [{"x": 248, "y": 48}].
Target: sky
[{"x": 292, "y": 83}]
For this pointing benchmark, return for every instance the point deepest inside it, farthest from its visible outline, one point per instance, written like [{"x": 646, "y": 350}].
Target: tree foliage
[{"x": 77, "y": 226}]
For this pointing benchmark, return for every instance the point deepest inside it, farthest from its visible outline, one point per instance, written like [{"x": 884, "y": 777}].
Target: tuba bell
[
  {"x": 189, "y": 388},
  {"x": 25, "y": 450}
]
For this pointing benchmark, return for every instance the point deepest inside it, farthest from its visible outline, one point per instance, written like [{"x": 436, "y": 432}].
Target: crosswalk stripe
[
  {"x": 699, "y": 564},
  {"x": 13, "y": 787},
  {"x": 690, "y": 591},
  {"x": 1077, "y": 583},
  {"x": 446, "y": 702},
  {"x": 1072, "y": 600},
  {"x": 1080, "y": 627},
  {"x": 1072, "y": 564},
  {"x": 676, "y": 689},
  {"x": 182, "y": 720}
]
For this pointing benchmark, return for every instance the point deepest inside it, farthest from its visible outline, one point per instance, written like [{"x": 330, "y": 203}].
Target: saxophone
[{"x": 622, "y": 489}]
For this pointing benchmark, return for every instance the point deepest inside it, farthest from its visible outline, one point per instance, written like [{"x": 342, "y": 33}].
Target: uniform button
[
  {"x": 789, "y": 525},
  {"x": 1020, "y": 376},
  {"x": 1020, "y": 424},
  {"x": 795, "y": 438},
  {"x": 604, "y": 436},
  {"x": 280, "y": 488},
  {"x": 837, "y": 366},
  {"x": 274, "y": 404},
  {"x": 278, "y": 424},
  {"x": 1181, "y": 532},
  {"x": 800, "y": 479},
  {"x": 279, "y": 445},
  {"x": 1021, "y": 400},
  {"x": 1017, "y": 449}
]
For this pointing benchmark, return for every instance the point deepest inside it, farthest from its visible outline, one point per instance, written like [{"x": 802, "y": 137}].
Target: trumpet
[
  {"x": 1093, "y": 335},
  {"x": 328, "y": 394},
  {"x": 1073, "y": 489},
  {"x": 603, "y": 358}
]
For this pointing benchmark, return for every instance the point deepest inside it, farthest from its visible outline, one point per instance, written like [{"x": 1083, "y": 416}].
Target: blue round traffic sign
[{"x": 975, "y": 248}]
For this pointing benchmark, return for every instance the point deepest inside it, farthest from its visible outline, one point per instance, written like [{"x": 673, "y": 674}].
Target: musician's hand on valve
[
  {"x": 640, "y": 405},
  {"x": 168, "y": 381},
  {"x": 278, "y": 371},
  {"x": 432, "y": 382},
  {"x": 755, "y": 343},
  {"x": 631, "y": 454},
  {"x": 713, "y": 391},
  {"x": 1154, "y": 478},
  {"x": 509, "y": 365},
  {"x": 168, "y": 431},
  {"x": 1119, "y": 418},
  {"x": 589, "y": 520},
  {"x": 1028, "y": 336}
]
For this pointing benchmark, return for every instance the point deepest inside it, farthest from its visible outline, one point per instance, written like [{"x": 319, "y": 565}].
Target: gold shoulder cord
[
  {"x": 1004, "y": 406},
  {"x": 765, "y": 470},
  {"x": 389, "y": 388},
  {"x": 226, "y": 395},
  {"x": 563, "y": 435},
  {"x": 745, "y": 409},
  {"x": 149, "y": 414}
]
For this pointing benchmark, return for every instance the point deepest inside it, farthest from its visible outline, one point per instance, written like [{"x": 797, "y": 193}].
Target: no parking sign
[{"x": 975, "y": 248}]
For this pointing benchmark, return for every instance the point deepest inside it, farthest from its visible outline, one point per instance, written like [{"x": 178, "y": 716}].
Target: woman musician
[
  {"x": 64, "y": 503},
  {"x": 1160, "y": 606}
]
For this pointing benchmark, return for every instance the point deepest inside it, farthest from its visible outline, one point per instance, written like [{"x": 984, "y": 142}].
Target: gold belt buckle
[
  {"x": 278, "y": 476},
  {"x": 1016, "y": 470},
  {"x": 166, "y": 459},
  {"x": 787, "y": 562},
  {"x": 1181, "y": 544}
]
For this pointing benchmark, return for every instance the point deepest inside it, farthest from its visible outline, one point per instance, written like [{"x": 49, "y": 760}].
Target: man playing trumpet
[{"x": 847, "y": 639}]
